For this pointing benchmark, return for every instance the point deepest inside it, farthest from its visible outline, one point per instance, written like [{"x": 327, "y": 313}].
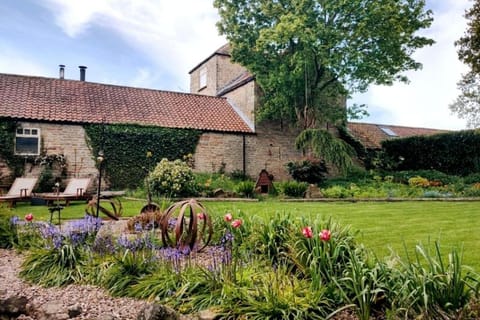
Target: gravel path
[{"x": 94, "y": 302}]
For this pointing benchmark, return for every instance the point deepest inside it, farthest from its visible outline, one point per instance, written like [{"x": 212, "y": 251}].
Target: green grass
[{"x": 381, "y": 225}]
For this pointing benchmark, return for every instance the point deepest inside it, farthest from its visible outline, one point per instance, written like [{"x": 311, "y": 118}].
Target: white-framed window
[
  {"x": 27, "y": 141},
  {"x": 203, "y": 78}
]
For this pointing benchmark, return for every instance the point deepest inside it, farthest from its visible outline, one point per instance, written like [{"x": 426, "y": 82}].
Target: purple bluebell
[
  {"x": 138, "y": 227},
  {"x": 14, "y": 220},
  {"x": 104, "y": 245}
]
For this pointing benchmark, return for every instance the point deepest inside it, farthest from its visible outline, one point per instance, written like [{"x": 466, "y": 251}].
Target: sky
[{"x": 155, "y": 43}]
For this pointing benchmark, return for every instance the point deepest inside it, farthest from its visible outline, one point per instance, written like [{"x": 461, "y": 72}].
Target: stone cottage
[{"x": 50, "y": 114}]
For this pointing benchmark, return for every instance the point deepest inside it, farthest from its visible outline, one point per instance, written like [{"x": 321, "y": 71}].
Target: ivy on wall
[
  {"x": 7, "y": 147},
  {"x": 132, "y": 150}
]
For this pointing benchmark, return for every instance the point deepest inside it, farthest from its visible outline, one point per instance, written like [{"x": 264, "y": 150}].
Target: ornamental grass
[{"x": 286, "y": 267}]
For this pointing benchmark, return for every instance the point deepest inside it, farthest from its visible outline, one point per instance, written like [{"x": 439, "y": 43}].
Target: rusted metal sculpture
[
  {"x": 114, "y": 213},
  {"x": 189, "y": 222}
]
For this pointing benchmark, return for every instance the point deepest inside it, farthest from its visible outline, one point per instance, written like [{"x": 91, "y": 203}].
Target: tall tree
[
  {"x": 467, "y": 105},
  {"x": 309, "y": 55}
]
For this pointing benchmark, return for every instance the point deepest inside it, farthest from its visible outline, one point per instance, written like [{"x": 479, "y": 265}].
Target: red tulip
[
  {"x": 325, "y": 235},
  {"x": 29, "y": 217},
  {"x": 201, "y": 215},
  {"x": 307, "y": 232},
  {"x": 237, "y": 223},
  {"x": 228, "y": 217}
]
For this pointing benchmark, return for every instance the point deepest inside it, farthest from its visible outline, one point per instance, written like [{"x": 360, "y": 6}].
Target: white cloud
[
  {"x": 175, "y": 35},
  {"x": 424, "y": 102}
]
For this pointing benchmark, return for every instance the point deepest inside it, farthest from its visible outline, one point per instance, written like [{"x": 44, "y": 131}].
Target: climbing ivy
[
  {"x": 7, "y": 149},
  {"x": 132, "y": 150}
]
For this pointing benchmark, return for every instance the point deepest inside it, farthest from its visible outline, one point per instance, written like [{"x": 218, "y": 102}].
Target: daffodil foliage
[{"x": 308, "y": 55}]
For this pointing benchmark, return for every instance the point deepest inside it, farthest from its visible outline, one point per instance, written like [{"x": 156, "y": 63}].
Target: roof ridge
[
  {"x": 108, "y": 85},
  {"x": 37, "y": 98},
  {"x": 395, "y": 125}
]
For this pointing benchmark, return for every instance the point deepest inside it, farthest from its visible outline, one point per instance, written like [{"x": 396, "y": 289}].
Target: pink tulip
[
  {"x": 307, "y": 232},
  {"x": 29, "y": 217},
  {"x": 201, "y": 216},
  {"x": 237, "y": 223},
  {"x": 325, "y": 235},
  {"x": 228, "y": 217}
]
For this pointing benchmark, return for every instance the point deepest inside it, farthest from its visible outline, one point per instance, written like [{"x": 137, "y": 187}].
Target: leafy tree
[
  {"x": 309, "y": 55},
  {"x": 467, "y": 105}
]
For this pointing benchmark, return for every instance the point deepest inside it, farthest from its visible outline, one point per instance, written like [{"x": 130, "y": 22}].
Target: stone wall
[
  {"x": 244, "y": 98},
  {"x": 219, "y": 151},
  {"x": 220, "y": 71},
  {"x": 271, "y": 149},
  {"x": 69, "y": 140}
]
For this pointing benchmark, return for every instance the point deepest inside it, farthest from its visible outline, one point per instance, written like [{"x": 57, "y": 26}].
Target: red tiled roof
[
  {"x": 47, "y": 99},
  {"x": 371, "y": 135}
]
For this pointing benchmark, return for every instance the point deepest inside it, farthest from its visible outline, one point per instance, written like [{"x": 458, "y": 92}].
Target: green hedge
[
  {"x": 454, "y": 153},
  {"x": 126, "y": 148}
]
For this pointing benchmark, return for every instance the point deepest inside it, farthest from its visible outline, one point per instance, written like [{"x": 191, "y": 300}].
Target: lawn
[{"x": 380, "y": 225}]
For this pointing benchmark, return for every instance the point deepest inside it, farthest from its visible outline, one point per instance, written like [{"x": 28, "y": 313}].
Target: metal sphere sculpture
[{"x": 190, "y": 224}]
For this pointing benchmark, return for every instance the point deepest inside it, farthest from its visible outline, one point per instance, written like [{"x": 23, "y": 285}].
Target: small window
[
  {"x": 203, "y": 78},
  {"x": 27, "y": 141},
  {"x": 389, "y": 132}
]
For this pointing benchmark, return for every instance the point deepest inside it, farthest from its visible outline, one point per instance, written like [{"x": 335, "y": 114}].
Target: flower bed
[{"x": 285, "y": 268}]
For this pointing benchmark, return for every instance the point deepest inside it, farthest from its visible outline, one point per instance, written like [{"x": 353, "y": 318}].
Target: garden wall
[
  {"x": 68, "y": 140},
  {"x": 271, "y": 148}
]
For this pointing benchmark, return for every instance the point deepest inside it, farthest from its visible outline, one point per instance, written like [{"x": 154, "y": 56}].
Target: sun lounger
[
  {"x": 21, "y": 190},
  {"x": 76, "y": 190}
]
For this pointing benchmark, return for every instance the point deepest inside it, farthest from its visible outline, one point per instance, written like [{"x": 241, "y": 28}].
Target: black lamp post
[{"x": 100, "y": 159}]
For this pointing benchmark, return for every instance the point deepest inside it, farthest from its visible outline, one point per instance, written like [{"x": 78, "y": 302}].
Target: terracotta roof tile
[
  {"x": 38, "y": 98},
  {"x": 371, "y": 135}
]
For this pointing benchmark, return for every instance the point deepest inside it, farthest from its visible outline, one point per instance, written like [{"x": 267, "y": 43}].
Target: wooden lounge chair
[
  {"x": 21, "y": 190},
  {"x": 76, "y": 190}
]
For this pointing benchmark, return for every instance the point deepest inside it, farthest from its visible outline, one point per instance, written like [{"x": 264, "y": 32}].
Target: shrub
[
  {"x": 472, "y": 178},
  {"x": 336, "y": 192},
  {"x": 473, "y": 191},
  {"x": 310, "y": 170},
  {"x": 207, "y": 183},
  {"x": 246, "y": 189},
  {"x": 294, "y": 189},
  {"x": 238, "y": 175},
  {"x": 418, "y": 182},
  {"x": 8, "y": 231},
  {"x": 453, "y": 153},
  {"x": 172, "y": 179},
  {"x": 431, "y": 175}
]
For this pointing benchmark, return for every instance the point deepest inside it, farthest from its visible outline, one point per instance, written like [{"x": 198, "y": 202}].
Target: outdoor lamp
[{"x": 100, "y": 157}]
